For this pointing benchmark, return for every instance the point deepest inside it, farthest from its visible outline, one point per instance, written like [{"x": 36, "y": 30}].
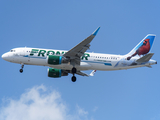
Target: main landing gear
[
  {"x": 74, "y": 70},
  {"x": 21, "y": 70}
]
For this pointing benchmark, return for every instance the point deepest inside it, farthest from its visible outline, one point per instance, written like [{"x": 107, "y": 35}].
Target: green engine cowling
[
  {"x": 54, "y": 60},
  {"x": 55, "y": 73}
]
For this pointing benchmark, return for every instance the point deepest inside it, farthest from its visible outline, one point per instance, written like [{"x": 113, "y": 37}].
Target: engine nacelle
[
  {"x": 56, "y": 60},
  {"x": 55, "y": 73}
]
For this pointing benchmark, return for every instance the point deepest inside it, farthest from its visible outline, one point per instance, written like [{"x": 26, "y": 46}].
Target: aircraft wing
[
  {"x": 84, "y": 74},
  {"x": 145, "y": 58},
  {"x": 76, "y": 52}
]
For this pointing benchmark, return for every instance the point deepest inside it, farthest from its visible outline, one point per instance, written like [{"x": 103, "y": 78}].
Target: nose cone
[{"x": 5, "y": 56}]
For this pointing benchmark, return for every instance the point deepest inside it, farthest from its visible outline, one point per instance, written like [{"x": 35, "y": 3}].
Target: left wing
[
  {"x": 84, "y": 74},
  {"x": 76, "y": 52}
]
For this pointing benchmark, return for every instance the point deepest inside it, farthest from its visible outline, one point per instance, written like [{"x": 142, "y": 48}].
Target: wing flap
[{"x": 82, "y": 73}]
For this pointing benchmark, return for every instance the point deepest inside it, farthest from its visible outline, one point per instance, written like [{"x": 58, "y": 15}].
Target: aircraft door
[
  {"x": 23, "y": 55},
  {"x": 22, "y": 52}
]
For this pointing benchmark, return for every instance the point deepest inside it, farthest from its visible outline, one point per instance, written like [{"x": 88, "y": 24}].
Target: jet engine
[
  {"x": 55, "y": 73},
  {"x": 56, "y": 60}
]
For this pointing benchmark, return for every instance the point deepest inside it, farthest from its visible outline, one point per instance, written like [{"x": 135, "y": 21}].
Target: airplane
[{"x": 74, "y": 61}]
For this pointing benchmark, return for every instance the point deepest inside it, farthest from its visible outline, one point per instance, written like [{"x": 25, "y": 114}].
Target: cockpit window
[{"x": 12, "y": 51}]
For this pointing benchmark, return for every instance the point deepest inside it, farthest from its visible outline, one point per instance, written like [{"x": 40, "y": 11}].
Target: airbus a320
[{"x": 76, "y": 60}]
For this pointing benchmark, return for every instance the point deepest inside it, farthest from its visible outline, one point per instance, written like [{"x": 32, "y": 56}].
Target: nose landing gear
[
  {"x": 74, "y": 70},
  {"x": 21, "y": 70}
]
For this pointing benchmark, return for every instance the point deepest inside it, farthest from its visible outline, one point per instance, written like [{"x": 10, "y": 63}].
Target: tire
[
  {"x": 73, "y": 79},
  {"x": 21, "y": 70}
]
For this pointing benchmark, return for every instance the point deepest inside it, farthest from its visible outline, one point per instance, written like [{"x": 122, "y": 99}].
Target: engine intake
[{"x": 55, "y": 73}]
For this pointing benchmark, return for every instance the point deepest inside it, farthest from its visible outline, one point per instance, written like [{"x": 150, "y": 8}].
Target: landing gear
[
  {"x": 21, "y": 70},
  {"x": 73, "y": 78},
  {"x": 74, "y": 70}
]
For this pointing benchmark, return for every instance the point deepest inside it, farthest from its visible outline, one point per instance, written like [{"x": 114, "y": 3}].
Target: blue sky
[{"x": 109, "y": 95}]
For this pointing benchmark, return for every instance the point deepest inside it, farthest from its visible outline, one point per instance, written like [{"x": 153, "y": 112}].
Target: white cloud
[
  {"x": 95, "y": 109},
  {"x": 38, "y": 103},
  {"x": 81, "y": 111}
]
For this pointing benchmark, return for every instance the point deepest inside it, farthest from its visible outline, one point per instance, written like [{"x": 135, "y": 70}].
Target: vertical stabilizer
[{"x": 143, "y": 47}]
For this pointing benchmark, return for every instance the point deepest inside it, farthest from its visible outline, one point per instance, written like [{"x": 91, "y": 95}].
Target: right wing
[{"x": 76, "y": 52}]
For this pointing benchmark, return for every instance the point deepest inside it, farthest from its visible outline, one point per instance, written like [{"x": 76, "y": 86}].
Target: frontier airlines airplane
[{"x": 75, "y": 60}]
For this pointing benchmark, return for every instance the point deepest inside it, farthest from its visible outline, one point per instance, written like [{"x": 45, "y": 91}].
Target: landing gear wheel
[
  {"x": 73, "y": 79},
  {"x": 21, "y": 70},
  {"x": 74, "y": 70}
]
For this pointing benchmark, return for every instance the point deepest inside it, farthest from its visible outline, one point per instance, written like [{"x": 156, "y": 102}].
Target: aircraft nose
[{"x": 4, "y": 56}]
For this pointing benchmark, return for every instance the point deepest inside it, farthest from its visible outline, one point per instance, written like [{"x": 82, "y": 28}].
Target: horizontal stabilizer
[
  {"x": 92, "y": 73},
  {"x": 145, "y": 58},
  {"x": 149, "y": 66}
]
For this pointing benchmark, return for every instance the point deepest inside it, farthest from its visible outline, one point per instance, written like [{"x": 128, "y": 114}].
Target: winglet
[
  {"x": 92, "y": 73},
  {"x": 96, "y": 31}
]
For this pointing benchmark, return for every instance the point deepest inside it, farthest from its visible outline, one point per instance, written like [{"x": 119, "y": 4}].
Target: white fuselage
[{"x": 90, "y": 61}]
